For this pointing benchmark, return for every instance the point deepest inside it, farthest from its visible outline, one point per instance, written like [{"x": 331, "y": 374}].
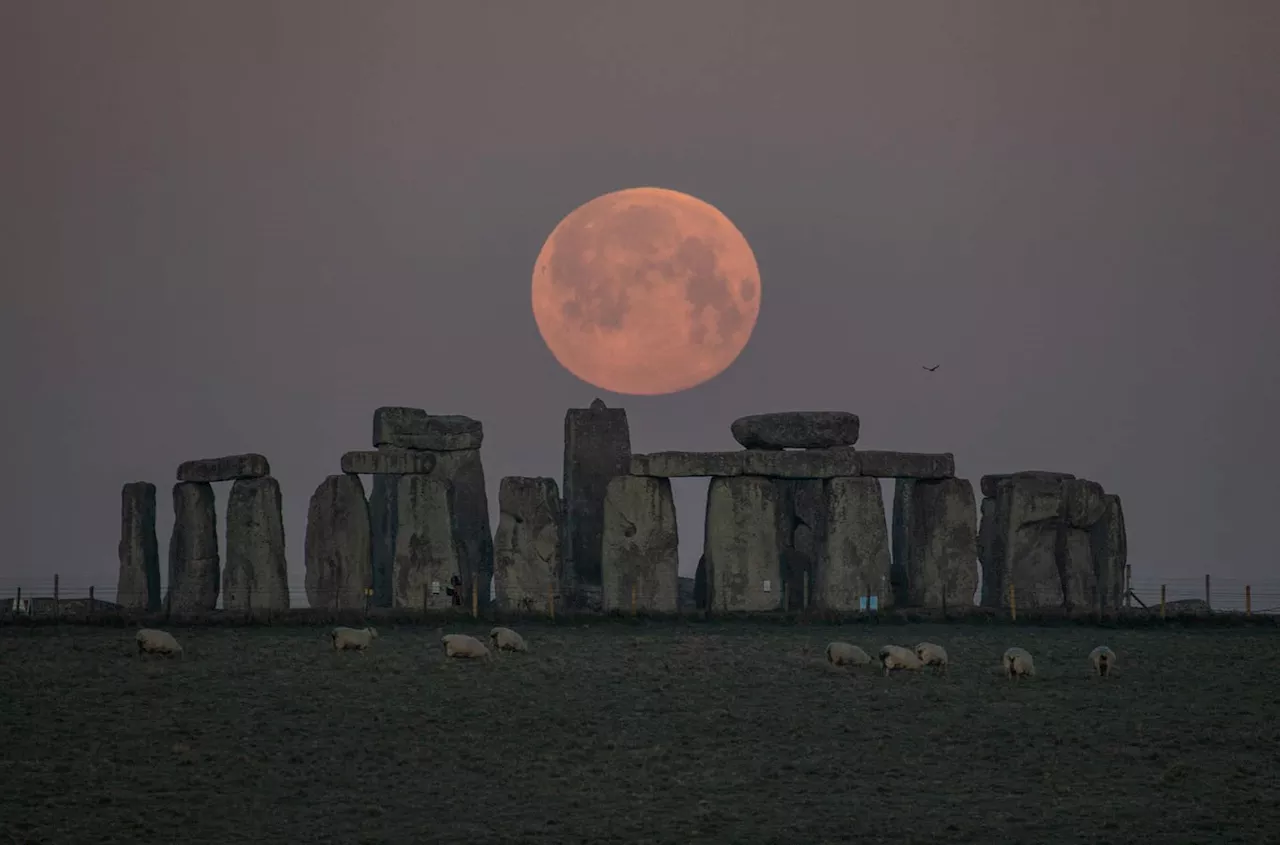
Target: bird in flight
[{"x": 931, "y": 369}]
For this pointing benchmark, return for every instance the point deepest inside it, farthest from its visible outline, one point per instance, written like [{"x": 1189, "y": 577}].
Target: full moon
[{"x": 646, "y": 291}]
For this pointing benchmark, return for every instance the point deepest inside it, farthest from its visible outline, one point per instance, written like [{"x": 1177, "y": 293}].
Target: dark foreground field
[{"x": 621, "y": 733}]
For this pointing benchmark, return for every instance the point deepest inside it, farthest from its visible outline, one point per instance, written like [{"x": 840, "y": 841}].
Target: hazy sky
[{"x": 241, "y": 226}]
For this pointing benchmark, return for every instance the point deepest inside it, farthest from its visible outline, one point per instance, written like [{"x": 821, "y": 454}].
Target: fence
[{"x": 626, "y": 597}]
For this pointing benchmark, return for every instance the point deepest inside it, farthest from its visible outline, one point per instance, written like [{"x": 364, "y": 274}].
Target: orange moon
[{"x": 646, "y": 291}]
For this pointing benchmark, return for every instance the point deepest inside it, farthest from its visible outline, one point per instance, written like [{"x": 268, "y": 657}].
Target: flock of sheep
[
  {"x": 1016, "y": 662},
  {"x": 154, "y": 641}
]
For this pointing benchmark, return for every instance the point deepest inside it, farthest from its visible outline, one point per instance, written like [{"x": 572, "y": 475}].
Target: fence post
[
  {"x": 551, "y": 601},
  {"x": 804, "y": 599},
  {"x": 633, "y": 598},
  {"x": 1207, "y": 602},
  {"x": 1128, "y": 585},
  {"x": 1162, "y": 601},
  {"x": 1013, "y": 603},
  {"x": 1248, "y": 600},
  {"x": 475, "y": 595},
  {"x": 92, "y": 604},
  {"x": 56, "y": 596},
  {"x": 426, "y": 591},
  {"x": 17, "y": 604}
]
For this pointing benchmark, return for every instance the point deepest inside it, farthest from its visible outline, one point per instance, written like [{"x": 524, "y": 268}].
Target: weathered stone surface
[
  {"x": 426, "y": 562},
  {"x": 993, "y": 535},
  {"x": 1034, "y": 506},
  {"x": 256, "y": 576},
  {"x": 193, "y": 549},
  {"x": 389, "y": 461},
  {"x": 229, "y": 468},
  {"x": 463, "y": 471},
  {"x": 743, "y": 544},
  {"x": 906, "y": 465},
  {"x": 1083, "y": 502},
  {"x": 942, "y": 554},
  {"x": 1109, "y": 548},
  {"x": 337, "y": 546},
  {"x": 139, "y": 585},
  {"x": 688, "y": 464},
  {"x": 810, "y": 463},
  {"x": 639, "y": 545},
  {"x": 1075, "y": 563},
  {"x": 807, "y": 464},
  {"x": 527, "y": 545},
  {"x": 469, "y": 503},
  {"x": 414, "y": 428},
  {"x": 796, "y": 430},
  {"x": 597, "y": 446},
  {"x": 900, "y": 532},
  {"x": 991, "y": 483},
  {"x": 384, "y": 510},
  {"x": 700, "y": 583},
  {"x": 854, "y": 561}
]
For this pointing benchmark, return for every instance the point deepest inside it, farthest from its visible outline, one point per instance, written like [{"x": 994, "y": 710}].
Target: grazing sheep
[
  {"x": 461, "y": 645},
  {"x": 897, "y": 657},
  {"x": 846, "y": 654},
  {"x": 356, "y": 638},
  {"x": 1103, "y": 660},
  {"x": 1017, "y": 662},
  {"x": 157, "y": 642},
  {"x": 505, "y": 639},
  {"x": 932, "y": 654}
]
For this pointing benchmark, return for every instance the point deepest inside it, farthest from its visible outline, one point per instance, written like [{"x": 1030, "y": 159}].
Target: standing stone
[
  {"x": 139, "y": 584},
  {"x": 1083, "y": 505},
  {"x": 639, "y": 546},
  {"x": 1110, "y": 552},
  {"x": 337, "y": 547},
  {"x": 193, "y": 549},
  {"x": 992, "y": 539},
  {"x": 256, "y": 575},
  {"x": 463, "y": 474},
  {"x": 700, "y": 584},
  {"x": 854, "y": 561},
  {"x": 743, "y": 544},
  {"x": 426, "y": 563},
  {"x": 597, "y": 446},
  {"x": 942, "y": 544},
  {"x": 901, "y": 529},
  {"x": 1032, "y": 509},
  {"x": 526, "y": 547},
  {"x": 384, "y": 510}
]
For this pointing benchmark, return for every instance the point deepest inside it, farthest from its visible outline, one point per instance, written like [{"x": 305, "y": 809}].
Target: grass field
[{"x": 637, "y": 733}]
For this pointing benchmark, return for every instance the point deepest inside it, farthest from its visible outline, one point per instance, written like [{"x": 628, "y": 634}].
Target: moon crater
[{"x": 646, "y": 291}]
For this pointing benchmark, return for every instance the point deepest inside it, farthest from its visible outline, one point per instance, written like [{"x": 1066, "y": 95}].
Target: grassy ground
[{"x": 637, "y": 733}]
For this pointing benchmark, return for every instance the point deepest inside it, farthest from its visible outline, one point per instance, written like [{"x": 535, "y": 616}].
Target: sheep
[
  {"x": 461, "y": 645},
  {"x": 505, "y": 639},
  {"x": 1017, "y": 662},
  {"x": 157, "y": 642},
  {"x": 932, "y": 654},
  {"x": 359, "y": 639},
  {"x": 1103, "y": 660},
  {"x": 897, "y": 657},
  {"x": 846, "y": 654}
]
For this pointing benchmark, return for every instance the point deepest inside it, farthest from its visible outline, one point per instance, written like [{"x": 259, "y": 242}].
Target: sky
[{"x": 243, "y": 226}]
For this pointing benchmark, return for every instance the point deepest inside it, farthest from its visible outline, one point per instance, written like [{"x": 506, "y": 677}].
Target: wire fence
[{"x": 623, "y": 596}]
